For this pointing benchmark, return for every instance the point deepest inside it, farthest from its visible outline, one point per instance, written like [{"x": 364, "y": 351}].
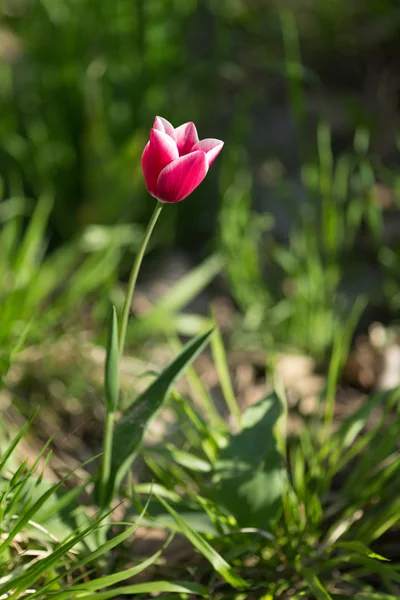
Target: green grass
[
  {"x": 264, "y": 515},
  {"x": 298, "y": 293},
  {"x": 39, "y": 289},
  {"x": 259, "y": 513}
]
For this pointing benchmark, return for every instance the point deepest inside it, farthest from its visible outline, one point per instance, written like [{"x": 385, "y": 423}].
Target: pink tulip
[{"x": 175, "y": 162}]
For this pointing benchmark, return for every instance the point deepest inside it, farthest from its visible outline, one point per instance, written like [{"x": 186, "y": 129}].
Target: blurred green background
[{"x": 305, "y": 94}]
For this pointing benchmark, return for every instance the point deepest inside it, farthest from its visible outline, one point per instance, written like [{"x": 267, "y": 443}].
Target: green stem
[
  {"x": 106, "y": 460},
  {"x": 105, "y": 468},
  {"x": 133, "y": 277}
]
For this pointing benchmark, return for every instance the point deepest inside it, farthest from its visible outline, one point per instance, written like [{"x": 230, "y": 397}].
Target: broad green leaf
[
  {"x": 130, "y": 428},
  {"x": 215, "y": 559},
  {"x": 112, "y": 365},
  {"x": 249, "y": 475},
  {"x": 316, "y": 588}
]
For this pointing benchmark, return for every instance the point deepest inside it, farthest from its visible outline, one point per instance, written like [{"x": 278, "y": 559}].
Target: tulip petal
[
  {"x": 165, "y": 126},
  {"x": 211, "y": 147},
  {"x": 158, "y": 153},
  {"x": 186, "y": 138},
  {"x": 181, "y": 177}
]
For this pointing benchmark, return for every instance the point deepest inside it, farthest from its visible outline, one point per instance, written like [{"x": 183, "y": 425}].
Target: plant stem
[
  {"x": 106, "y": 459},
  {"x": 133, "y": 277},
  {"x": 105, "y": 468}
]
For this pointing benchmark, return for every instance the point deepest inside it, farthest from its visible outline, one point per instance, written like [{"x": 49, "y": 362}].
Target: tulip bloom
[{"x": 175, "y": 162}]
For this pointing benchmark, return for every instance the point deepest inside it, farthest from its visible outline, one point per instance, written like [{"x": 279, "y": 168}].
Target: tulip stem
[
  {"x": 105, "y": 468},
  {"x": 133, "y": 277}
]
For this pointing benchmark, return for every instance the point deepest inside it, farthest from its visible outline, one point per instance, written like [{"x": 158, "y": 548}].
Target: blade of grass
[
  {"x": 154, "y": 587},
  {"x": 198, "y": 389},
  {"x": 24, "y": 518},
  {"x": 16, "y": 441},
  {"x": 341, "y": 345},
  {"x": 24, "y": 266},
  {"x": 108, "y": 580},
  {"x": 314, "y": 584},
  {"x": 215, "y": 559},
  {"x": 221, "y": 364}
]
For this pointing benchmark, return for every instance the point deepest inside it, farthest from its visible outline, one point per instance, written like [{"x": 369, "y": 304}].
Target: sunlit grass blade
[
  {"x": 122, "y": 575},
  {"x": 355, "y": 422},
  {"x": 314, "y": 584},
  {"x": 341, "y": 346},
  {"x": 16, "y": 441},
  {"x": 154, "y": 587},
  {"x": 27, "y": 479},
  {"x": 376, "y": 596},
  {"x": 30, "y": 511},
  {"x": 360, "y": 548},
  {"x": 221, "y": 364},
  {"x": 385, "y": 570},
  {"x": 99, "y": 553},
  {"x": 28, "y": 254},
  {"x": 210, "y": 437},
  {"x": 196, "y": 385},
  {"x": 32, "y": 574},
  {"x": 216, "y": 560}
]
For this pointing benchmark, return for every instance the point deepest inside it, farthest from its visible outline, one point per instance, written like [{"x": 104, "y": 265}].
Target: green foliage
[
  {"x": 75, "y": 119},
  {"x": 38, "y": 289},
  {"x": 129, "y": 429},
  {"x": 44, "y": 542},
  {"x": 221, "y": 365},
  {"x": 299, "y": 293},
  {"x": 217, "y": 562},
  {"x": 264, "y": 515},
  {"x": 314, "y": 522},
  {"x": 267, "y": 518},
  {"x": 249, "y": 475}
]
